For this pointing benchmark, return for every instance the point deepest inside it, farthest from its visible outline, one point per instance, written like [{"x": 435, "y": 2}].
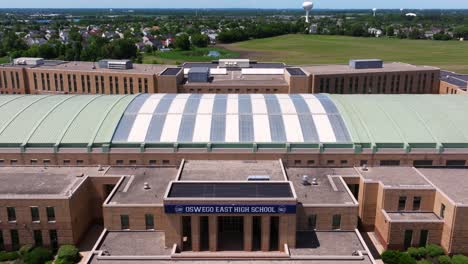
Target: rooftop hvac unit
[
  {"x": 258, "y": 178},
  {"x": 199, "y": 75},
  {"x": 29, "y": 61},
  {"x": 234, "y": 63},
  {"x": 116, "y": 64},
  {"x": 366, "y": 64}
]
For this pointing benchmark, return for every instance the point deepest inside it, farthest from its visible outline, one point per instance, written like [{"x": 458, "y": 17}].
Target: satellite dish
[{"x": 307, "y": 5}]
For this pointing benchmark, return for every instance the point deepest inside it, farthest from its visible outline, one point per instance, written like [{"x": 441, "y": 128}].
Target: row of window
[
  {"x": 312, "y": 222},
  {"x": 408, "y": 238},
  {"x": 35, "y": 216},
  {"x": 125, "y": 222},
  {"x": 368, "y": 83},
  {"x": 14, "y": 80},
  {"x": 416, "y": 203},
  {"x": 230, "y": 90},
  {"x": 37, "y": 236},
  {"x": 99, "y": 83}
]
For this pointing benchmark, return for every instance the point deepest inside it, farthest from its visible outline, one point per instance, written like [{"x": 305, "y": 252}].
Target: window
[
  {"x": 11, "y": 212},
  {"x": 149, "y": 221},
  {"x": 53, "y": 239},
  {"x": 442, "y": 211},
  {"x": 312, "y": 222},
  {"x": 166, "y": 162},
  {"x": 33, "y": 161},
  {"x": 2, "y": 162},
  {"x": 38, "y": 238},
  {"x": 2, "y": 242},
  {"x": 66, "y": 162},
  {"x": 330, "y": 162},
  {"x": 344, "y": 162},
  {"x": 363, "y": 162},
  {"x": 46, "y": 162},
  {"x": 35, "y": 214},
  {"x": 133, "y": 162},
  {"x": 310, "y": 162},
  {"x": 79, "y": 162},
  {"x": 455, "y": 163},
  {"x": 417, "y": 163},
  {"x": 50, "y": 214},
  {"x": 15, "y": 243},
  {"x": 408, "y": 239},
  {"x": 389, "y": 163},
  {"x": 336, "y": 223},
  {"x": 416, "y": 203},
  {"x": 423, "y": 238},
  {"x": 402, "y": 203},
  {"x": 152, "y": 162},
  {"x": 124, "y": 222},
  {"x": 13, "y": 162},
  {"x": 119, "y": 162},
  {"x": 297, "y": 162}
]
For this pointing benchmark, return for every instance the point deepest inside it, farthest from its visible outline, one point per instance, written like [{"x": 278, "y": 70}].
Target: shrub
[
  {"x": 459, "y": 259},
  {"x": 391, "y": 257},
  {"x": 24, "y": 250},
  {"x": 68, "y": 252},
  {"x": 434, "y": 250},
  {"x": 38, "y": 255},
  {"x": 424, "y": 261},
  {"x": 417, "y": 253},
  {"x": 63, "y": 261},
  {"x": 445, "y": 260},
  {"x": 405, "y": 258},
  {"x": 8, "y": 256}
]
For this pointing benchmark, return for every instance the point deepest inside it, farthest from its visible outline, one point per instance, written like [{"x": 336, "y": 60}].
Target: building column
[
  {"x": 213, "y": 227},
  {"x": 195, "y": 222},
  {"x": 265, "y": 233},
  {"x": 283, "y": 232},
  {"x": 248, "y": 222}
]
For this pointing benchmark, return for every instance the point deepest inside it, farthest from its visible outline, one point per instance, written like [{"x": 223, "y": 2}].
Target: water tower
[
  {"x": 374, "y": 10},
  {"x": 307, "y": 5}
]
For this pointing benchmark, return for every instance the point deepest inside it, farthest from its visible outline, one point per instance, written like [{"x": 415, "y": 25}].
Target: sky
[{"x": 334, "y": 4}]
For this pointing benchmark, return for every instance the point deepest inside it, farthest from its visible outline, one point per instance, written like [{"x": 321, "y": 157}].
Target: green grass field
[
  {"x": 4, "y": 59},
  {"x": 314, "y": 49},
  {"x": 179, "y": 56}
]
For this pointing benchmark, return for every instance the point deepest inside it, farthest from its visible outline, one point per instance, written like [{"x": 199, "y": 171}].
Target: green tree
[
  {"x": 391, "y": 257},
  {"x": 445, "y": 260},
  {"x": 406, "y": 259},
  {"x": 200, "y": 40},
  {"x": 182, "y": 42},
  {"x": 459, "y": 259}
]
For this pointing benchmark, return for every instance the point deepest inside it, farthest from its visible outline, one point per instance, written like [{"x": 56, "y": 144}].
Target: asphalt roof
[{"x": 344, "y": 121}]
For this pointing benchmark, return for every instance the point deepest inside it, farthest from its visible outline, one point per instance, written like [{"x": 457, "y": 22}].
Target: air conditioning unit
[{"x": 258, "y": 178}]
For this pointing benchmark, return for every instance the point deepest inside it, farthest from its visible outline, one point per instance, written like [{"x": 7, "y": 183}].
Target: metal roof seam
[
  {"x": 67, "y": 126},
  {"x": 101, "y": 122},
  {"x": 395, "y": 125},
  {"x": 355, "y": 111},
  {"x": 460, "y": 131},
  {"x": 20, "y": 112},
  {"x": 11, "y": 100},
  {"x": 38, "y": 123},
  {"x": 438, "y": 142}
]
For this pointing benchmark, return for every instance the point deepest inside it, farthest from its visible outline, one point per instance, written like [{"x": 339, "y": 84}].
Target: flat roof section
[
  {"x": 345, "y": 68},
  {"x": 329, "y": 189},
  {"x": 171, "y": 71},
  {"x": 132, "y": 191},
  {"x": 414, "y": 217},
  {"x": 296, "y": 71},
  {"x": 452, "y": 182},
  {"x": 395, "y": 177},
  {"x": 460, "y": 80},
  {"x": 39, "y": 182},
  {"x": 230, "y": 170},
  {"x": 230, "y": 190}
]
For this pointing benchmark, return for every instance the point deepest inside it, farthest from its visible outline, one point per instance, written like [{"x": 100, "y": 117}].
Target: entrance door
[
  {"x": 257, "y": 233},
  {"x": 408, "y": 239},
  {"x": 423, "y": 238},
  {"x": 274, "y": 233},
  {"x": 186, "y": 233},
  {"x": 231, "y": 233},
  {"x": 204, "y": 234}
]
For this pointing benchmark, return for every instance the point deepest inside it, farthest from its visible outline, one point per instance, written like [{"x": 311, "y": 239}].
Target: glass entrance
[{"x": 231, "y": 233}]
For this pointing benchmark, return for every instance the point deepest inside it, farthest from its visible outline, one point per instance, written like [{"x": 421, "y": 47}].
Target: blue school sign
[{"x": 230, "y": 209}]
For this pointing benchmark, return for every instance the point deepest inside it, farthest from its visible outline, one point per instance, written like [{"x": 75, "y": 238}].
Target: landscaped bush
[
  {"x": 417, "y": 253},
  {"x": 459, "y": 259},
  {"x": 424, "y": 261},
  {"x": 38, "y": 255},
  {"x": 391, "y": 257},
  {"x": 405, "y": 258},
  {"x": 63, "y": 261},
  {"x": 434, "y": 250},
  {"x": 445, "y": 260},
  {"x": 69, "y": 253},
  {"x": 8, "y": 256},
  {"x": 25, "y": 250}
]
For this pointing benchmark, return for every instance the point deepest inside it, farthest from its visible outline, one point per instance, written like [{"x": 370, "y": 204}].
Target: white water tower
[
  {"x": 308, "y": 5},
  {"x": 374, "y": 10}
]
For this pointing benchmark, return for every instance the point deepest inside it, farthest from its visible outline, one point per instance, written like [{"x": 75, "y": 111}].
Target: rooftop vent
[
  {"x": 258, "y": 178},
  {"x": 146, "y": 186},
  {"x": 234, "y": 63},
  {"x": 80, "y": 175},
  {"x": 305, "y": 180},
  {"x": 100, "y": 168},
  {"x": 364, "y": 167},
  {"x": 116, "y": 64},
  {"x": 314, "y": 182}
]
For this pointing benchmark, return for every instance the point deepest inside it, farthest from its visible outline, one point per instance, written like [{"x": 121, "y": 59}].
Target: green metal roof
[
  {"x": 378, "y": 121},
  {"x": 53, "y": 120}
]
